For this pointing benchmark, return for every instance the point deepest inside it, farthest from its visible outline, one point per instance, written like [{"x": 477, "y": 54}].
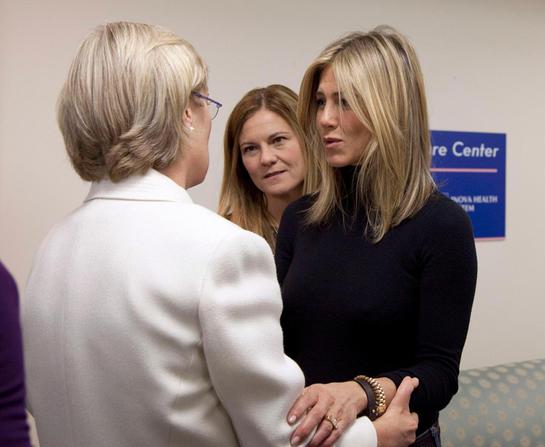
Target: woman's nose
[
  {"x": 328, "y": 116},
  {"x": 268, "y": 155}
]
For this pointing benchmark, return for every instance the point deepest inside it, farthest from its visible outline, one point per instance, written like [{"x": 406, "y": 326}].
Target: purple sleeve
[{"x": 13, "y": 424}]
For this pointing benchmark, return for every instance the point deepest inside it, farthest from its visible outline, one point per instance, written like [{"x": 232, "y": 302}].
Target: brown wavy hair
[{"x": 240, "y": 200}]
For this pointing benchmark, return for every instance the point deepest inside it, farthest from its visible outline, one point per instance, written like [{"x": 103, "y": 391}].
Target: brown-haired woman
[{"x": 267, "y": 164}]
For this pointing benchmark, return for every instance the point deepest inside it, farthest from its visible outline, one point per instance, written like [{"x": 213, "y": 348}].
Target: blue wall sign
[{"x": 469, "y": 167}]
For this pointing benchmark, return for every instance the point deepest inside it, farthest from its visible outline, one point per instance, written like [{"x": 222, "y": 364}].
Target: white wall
[{"x": 484, "y": 66}]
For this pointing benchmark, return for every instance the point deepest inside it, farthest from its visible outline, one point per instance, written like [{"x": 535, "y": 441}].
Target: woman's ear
[{"x": 187, "y": 119}]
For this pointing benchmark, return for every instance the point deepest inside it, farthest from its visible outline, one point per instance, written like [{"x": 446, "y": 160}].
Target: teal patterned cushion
[{"x": 497, "y": 406}]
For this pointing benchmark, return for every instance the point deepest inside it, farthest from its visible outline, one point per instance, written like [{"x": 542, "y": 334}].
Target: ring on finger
[{"x": 333, "y": 421}]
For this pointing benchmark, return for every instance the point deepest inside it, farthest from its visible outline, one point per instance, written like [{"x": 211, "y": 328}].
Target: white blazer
[{"x": 151, "y": 321}]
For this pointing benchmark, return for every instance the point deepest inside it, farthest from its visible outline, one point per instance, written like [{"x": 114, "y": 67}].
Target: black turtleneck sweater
[{"x": 391, "y": 309}]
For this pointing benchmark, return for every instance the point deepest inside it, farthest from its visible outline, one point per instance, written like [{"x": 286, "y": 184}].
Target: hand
[
  {"x": 341, "y": 402},
  {"x": 397, "y": 426},
  {"x": 350, "y": 400},
  {"x": 309, "y": 410}
]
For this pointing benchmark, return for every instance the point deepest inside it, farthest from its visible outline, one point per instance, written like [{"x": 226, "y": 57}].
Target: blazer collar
[{"x": 152, "y": 186}]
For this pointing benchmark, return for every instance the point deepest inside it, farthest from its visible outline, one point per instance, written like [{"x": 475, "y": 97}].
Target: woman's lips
[
  {"x": 274, "y": 174},
  {"x": 331, "y": 143}
]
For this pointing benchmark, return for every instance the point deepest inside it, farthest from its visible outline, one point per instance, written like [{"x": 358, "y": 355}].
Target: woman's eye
[
  {"x": 248, "y": 149},
  {"x": 344, "y": 104},
  {"x": 278, "y": 139},
  {"x": 320, "y": 103}
]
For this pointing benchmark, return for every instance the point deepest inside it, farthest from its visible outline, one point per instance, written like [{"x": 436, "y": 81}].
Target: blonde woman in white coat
[{"x": 149, "y": 320}]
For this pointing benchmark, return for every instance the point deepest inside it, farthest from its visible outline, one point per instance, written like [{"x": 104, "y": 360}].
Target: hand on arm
[
  {"x": 349, "y": 401},
  {"x": 341, "y": 403},
  {"x": 308, "y": 411}
]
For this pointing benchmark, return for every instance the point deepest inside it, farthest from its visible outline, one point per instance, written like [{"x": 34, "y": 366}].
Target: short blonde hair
[
  {"x": 379, "y": 75},
  {"x": 240, "y": 200},
  {"x": 120, "y": 110}
]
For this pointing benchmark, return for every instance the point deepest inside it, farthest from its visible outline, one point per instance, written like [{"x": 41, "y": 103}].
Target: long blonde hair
[
  {"x": 240, "y": 200},
  {"x": 379, "y": 75}
]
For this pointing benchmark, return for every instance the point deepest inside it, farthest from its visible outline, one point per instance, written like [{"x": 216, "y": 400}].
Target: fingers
[
  {"x": 332, "y": 427},
  {"x": 306, "y": 400},
  {"x": 325, "y": 429},
  {"x": 334, "y": 435},
  {"x": 403, "y": 394},
  {"x": 314, "y": 416}
]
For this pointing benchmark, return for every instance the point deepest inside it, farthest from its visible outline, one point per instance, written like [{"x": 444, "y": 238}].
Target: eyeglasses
[{"x": 213, "y": 106}]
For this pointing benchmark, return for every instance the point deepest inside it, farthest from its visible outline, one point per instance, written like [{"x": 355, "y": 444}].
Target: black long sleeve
[{"x": 399, "y": 307}]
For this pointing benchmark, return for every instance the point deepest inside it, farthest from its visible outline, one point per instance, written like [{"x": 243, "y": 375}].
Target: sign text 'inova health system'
[{"x": 469, "y": 167}]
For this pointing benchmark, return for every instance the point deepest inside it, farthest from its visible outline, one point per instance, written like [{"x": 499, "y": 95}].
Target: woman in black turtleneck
[{"x": 378, "y": 269}]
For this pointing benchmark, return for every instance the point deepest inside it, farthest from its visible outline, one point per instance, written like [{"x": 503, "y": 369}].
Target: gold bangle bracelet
[{"x": 380, "y": 398}]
